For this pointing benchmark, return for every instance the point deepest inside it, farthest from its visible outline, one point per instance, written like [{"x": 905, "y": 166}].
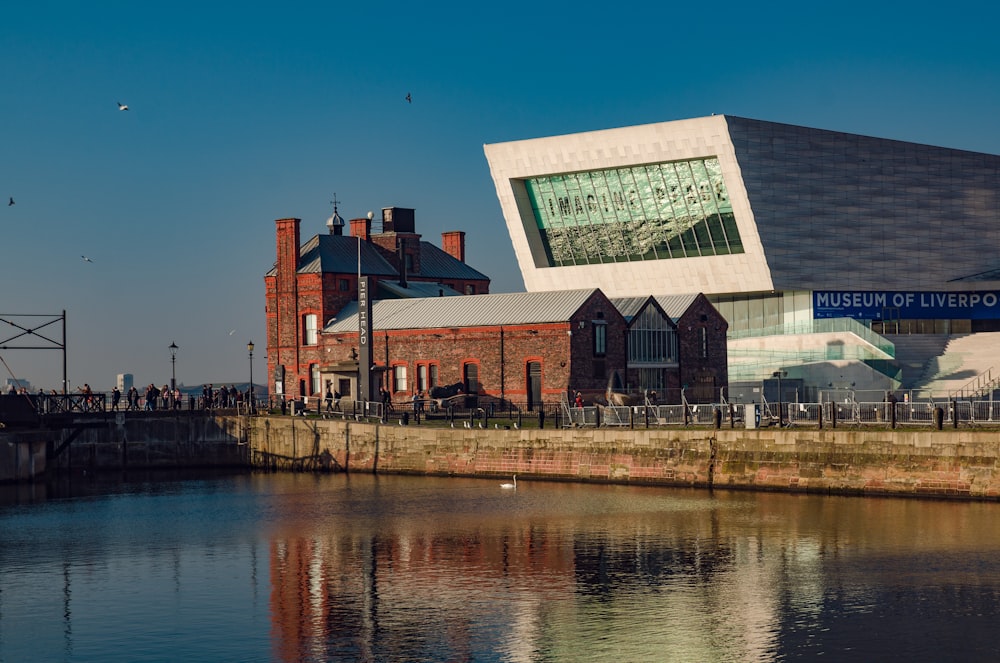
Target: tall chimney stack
[{"x": 453, "y": 243}]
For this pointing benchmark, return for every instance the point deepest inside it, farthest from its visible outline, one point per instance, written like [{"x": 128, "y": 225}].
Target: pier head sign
[{"x": 902, "y": 305}]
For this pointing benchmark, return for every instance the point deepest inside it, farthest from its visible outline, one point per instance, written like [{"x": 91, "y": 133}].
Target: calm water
[{"x": 337, "y": 568}]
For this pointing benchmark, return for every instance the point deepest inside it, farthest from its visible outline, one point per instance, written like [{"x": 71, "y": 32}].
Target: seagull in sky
[
  {"x": 11, "y": 201},
  {"x": 122, "y": 106},
  {"x": 232, "y": 331},
  {"x": 409, "y": 99},
  {"x": 86, "y": 259}
]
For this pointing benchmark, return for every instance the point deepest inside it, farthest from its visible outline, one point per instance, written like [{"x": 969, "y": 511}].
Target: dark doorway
[
  {"x": 471, "y": 378},
  {"x": 534, "y": 385}
]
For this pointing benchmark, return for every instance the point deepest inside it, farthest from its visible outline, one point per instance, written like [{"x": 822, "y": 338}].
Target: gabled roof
[
  {"x": 673, "y": 305},
  {"x": 338, "y": 254},
  {"x": 519, "y": 308}
]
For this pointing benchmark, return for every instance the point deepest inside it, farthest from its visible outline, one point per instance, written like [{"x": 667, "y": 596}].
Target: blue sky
[{"x": 244, "y": 113}]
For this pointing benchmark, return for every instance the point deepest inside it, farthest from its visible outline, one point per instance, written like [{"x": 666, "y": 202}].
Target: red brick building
[
  {"x": 310, "y": 283},
  {"x": 532, "y": 348},
  {"x": 676, "y": 342}
]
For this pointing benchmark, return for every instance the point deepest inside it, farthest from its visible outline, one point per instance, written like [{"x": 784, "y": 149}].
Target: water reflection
[{"x": 359, "y": 568}]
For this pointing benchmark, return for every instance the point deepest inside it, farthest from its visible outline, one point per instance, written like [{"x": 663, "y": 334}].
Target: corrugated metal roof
[
  {"x": 629, "y": 306},
  {"x": 673, "y": 305},
  {"x": 465, "y": 311}
]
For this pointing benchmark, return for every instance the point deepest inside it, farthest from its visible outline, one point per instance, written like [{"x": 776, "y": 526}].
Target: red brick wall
[
  {"x": 703, "y": 372},
  {"x": 502, "y": 355},
  {"x": 453, "y": 242},
  {"x": 587, "y": 375}
]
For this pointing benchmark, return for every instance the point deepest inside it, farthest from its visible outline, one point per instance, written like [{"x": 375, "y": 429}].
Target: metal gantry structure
[{"x": 31, "y": 331}]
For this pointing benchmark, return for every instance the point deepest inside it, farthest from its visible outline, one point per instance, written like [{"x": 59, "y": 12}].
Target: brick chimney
[
  {"x": 361, "y": 228},
  {"x": 453, "y": 243},
  {"x": 287, "y": 237}
]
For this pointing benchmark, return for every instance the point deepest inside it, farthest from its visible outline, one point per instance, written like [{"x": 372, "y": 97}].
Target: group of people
[
  {"x": 222, "y": 397},
  {"x": 153, "y": 398}
]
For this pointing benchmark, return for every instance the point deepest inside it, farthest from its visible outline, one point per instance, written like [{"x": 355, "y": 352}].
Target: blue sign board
[{"x": 901, "y": 305}]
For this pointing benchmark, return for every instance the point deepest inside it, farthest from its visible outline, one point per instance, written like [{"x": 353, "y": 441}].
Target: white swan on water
[{"x": 510, "y": 485}]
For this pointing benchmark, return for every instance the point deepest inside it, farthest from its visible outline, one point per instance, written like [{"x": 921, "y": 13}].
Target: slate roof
[
  {"x": 516, "y": 308},
  {"x": 339, "y": 254},
  {"x": 673, "y": 305},
  {"x": 392, "y": 290}
]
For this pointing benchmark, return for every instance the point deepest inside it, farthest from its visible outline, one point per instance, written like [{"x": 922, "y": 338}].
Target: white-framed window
[
  {"x": 399, "y": 377},
  {"x": 311, "y": 332},
  {"x": 314, "y": 379},
  {"x": 422, "y": 377}
]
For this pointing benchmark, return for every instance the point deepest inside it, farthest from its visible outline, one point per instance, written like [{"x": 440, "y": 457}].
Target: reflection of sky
[{"x": 393, "y": 568}]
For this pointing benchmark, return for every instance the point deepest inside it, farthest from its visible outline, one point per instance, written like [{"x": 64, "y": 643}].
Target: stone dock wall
[
  {"x": 108, "y": 442},
  {"x": 959, "y": 463},
  {"x": 952, "y": 463}
]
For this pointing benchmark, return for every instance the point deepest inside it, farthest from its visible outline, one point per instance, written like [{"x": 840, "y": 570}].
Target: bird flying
[
  {"x": 11, "y": 201},
  {"x": 232, "y": 331},
  {"x": 409, "y": 99},
  {"x": 122, "y": 106},
  {"x": 86, "y": 259}
]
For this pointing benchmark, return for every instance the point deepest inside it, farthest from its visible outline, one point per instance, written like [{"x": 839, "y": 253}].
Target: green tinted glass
[{"x": 679, "y": 209}]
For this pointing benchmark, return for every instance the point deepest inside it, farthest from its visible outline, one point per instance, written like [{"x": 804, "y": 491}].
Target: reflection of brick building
[{"x": 310, "y": 283}]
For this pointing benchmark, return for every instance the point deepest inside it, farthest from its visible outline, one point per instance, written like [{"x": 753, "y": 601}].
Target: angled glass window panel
[
  {"x": 664, "y": 210},
  {"x": 718, "y": 232},
  {"x": 692, "y": 201},
  {"x": 561, "y": 201},
  {"x": 577, "y": 199},
  {"x": 602, "y": 229},
  {"x": 652, "y": 211},
  {"x": 704, "y": 210}
]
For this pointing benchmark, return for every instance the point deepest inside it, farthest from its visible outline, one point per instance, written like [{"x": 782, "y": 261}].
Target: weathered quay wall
[
  {"x": 963, "y": 463},
  {"x": 118, "y": 442},
  {"x": 953, "y": 463}
]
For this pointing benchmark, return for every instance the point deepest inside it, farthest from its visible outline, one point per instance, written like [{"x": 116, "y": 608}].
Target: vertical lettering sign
[{"x": 364, "y": 339}]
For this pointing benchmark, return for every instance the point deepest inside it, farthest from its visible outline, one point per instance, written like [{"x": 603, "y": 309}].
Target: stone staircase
[
  {"x": 942, "y": 364},
  {"x": 914, "y": 355}
]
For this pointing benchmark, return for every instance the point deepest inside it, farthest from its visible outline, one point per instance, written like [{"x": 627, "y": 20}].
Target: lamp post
[
  {"x": 779, "y": 375},
  {"x": 173, "y": 373},
  {"x": 250, "y": 351}
]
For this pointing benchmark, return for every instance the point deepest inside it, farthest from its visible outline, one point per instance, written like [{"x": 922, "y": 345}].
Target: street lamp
[
  {"x": 173, "y": 373},
  {"x": 250, "y": 351},
  {"x": 779, "y": 375}
]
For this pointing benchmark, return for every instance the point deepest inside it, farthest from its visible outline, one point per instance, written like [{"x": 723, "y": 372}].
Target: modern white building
[{"x": 812, "y": 243}]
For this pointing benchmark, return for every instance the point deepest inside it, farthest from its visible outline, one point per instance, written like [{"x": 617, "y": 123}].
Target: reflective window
[
  {"x": 600, "y": 339},
  {"x": 651, "y": 212},
  {"x": 651, "y": 339}
]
